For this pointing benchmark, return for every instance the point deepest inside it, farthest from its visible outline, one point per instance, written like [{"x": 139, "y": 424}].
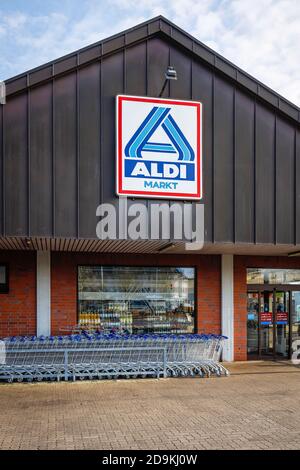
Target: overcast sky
[{"x": 260, "y": 36}]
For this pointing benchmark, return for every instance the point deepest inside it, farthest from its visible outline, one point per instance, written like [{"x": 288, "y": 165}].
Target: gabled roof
[{"x": 153, "y": 27}]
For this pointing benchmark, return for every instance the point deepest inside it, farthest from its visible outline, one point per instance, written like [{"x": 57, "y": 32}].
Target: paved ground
[{"x": 257, "y": 407}]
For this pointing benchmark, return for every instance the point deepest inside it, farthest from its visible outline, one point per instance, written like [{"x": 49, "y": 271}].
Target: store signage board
[{"x": 159, "y": 148}]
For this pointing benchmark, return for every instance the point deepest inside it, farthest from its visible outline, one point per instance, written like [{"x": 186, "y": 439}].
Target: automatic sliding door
[
  {"x": 266, "y": 324},
  {"x": 252, "y": 324},
  {"x": 282, "y": 323}
]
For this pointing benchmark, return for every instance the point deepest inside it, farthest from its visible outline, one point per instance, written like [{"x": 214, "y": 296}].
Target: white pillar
[
  {"x": 43, "y": 292},
  {"x": 227, "y": 307}
]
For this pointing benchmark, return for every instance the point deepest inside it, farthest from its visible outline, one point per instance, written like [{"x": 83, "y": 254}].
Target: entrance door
[
  {"x": 268, "y": 323},
  {"x": 281, "y": 321},
  {"x": 253, "y": 325}
]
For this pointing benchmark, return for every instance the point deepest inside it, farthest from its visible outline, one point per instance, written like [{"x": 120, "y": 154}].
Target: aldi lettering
[
  {"x": 160, "y": 170},
  {"x": 159, "y": 148},
  {"x": 160, "y": 185}
]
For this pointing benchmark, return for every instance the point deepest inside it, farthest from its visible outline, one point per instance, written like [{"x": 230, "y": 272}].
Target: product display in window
[{"x": 136, "y": 299}]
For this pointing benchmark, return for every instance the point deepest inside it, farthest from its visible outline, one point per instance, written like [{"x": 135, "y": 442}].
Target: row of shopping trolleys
[{"x": 99, "y": 356}]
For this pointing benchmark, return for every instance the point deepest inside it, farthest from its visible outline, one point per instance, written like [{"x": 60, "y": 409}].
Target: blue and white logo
[
  {"x": 140, "y": 141},
  {"x": 158, "y": 148}
]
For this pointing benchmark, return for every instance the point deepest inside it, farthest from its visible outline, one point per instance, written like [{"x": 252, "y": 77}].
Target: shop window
[
  {"x": 3, "y": 279},
  {"x": 137, "y": 299}
]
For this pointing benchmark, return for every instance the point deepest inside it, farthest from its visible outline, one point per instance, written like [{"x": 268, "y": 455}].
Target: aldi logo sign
[{"x": 159, "y": 148}]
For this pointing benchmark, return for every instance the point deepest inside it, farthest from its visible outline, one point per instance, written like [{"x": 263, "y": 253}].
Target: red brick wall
[
  {"x": 64, "y": 284},
  {"x": 241, "y": 263},
  {"x": 18, "y": 307},
  {"x": 209, "y": 294}
]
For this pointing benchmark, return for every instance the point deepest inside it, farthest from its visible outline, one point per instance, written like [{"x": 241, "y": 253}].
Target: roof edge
[
  {"x": 86, "y": 48},
  {"x": 142, "y": 31}
]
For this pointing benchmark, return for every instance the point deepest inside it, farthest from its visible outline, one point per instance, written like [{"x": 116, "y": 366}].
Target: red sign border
[{"x": 120, "y": 191}]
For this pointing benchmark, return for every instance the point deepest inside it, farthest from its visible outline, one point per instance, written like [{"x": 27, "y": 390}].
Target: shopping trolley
[{"x": 111, "y": 356}]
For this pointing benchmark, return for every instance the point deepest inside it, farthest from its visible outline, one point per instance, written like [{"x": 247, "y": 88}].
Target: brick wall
[
  {"x": 241, "y": 263},
  {"x": 18, "y": 307},
  {"x": 64, "y": 284}
]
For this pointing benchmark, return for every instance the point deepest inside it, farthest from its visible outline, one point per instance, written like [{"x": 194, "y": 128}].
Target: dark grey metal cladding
[
  {"x": 59, "y": 147},
  {"x": 41, "y": 147},
  {"x": 265, "y": 175},
  {"x": 112, "y": 84},
  {"x": 89, "y": 102},
  {"x": 285, "y": 182},
  {"x": 244, "y": 182},
  {"x": 65, "y": 156},
  {"x": 223, "y": 155},
  {"x": 202, "y": 90},
  {"x": 136, "y": 67},
  {"x": 15, "y": 161}
]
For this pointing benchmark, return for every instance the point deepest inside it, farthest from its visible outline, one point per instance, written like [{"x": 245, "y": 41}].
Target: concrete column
[
  {"x": 227, "y": 307},
  {"x": 43, "y": 292}
]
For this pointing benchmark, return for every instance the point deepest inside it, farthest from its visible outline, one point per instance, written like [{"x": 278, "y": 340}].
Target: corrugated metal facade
[{"x": 58, "y": 140}]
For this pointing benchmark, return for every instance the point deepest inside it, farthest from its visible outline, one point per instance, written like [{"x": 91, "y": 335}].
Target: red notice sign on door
[
  {"x": 282, "y": 318},
  {"x": 266, "y": 318}
]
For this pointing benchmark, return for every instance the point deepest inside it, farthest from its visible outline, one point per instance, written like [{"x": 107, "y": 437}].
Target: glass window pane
[
  {"x": 273, "y": 276},
  {"x": 282, "y": 323},
  {"x": 2, "y": 274},
  {"x": 255, "y": 276},
  {"x": 137, "y": 299},
  {"x": 295, "y": 316},
  {"x": 252, "y": 323}
]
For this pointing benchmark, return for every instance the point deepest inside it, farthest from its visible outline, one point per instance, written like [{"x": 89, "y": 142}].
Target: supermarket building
[{"x": 58, "y": 164}]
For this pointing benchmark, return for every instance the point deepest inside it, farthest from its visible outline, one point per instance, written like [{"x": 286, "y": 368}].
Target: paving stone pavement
[{"x": 257, "y": 407}]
